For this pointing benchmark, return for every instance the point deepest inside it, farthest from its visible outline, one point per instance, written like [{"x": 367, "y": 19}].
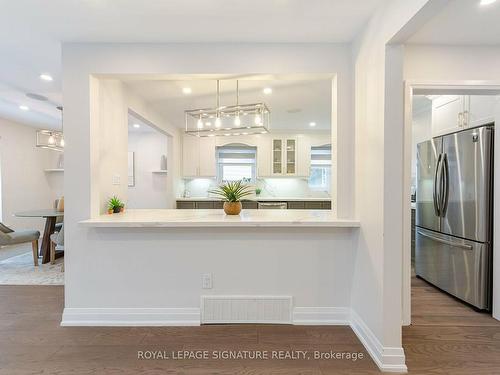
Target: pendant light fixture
[
  {"x": 228, "y": 120},
  {"x": 217, "y": 112},
  {"x": 50, "y": 139},
  {"x": 237, "y": 121}
]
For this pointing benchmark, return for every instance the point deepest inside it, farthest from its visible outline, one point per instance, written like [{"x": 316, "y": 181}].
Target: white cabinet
[
  {"x": 447, "y": 114},
  {"x": 284, "y": 156},
  {"x": 263, "y": 157},
  {"x": 481, "y": 109},
  {"x": 198, "y": 157},
  {"x": 452, "y": 113}
]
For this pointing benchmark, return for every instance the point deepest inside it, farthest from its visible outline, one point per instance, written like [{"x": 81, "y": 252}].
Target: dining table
[{"x": 50, "y": 215}]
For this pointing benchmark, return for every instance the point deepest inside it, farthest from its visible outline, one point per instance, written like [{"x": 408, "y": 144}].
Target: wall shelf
[{"x": 52, "y": 170}]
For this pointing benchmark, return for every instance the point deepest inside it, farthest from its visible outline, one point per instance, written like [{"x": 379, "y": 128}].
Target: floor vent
[{"x": 246, "y": 309}]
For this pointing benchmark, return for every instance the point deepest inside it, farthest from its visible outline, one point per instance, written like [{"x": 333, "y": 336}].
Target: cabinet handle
[
  {"x": 460, "y": 119},
  {"x": 466, "y": 118}
]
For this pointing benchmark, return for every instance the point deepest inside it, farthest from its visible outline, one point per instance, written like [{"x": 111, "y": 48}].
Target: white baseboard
[
  {"x": 131, "y": 317},
  {"x": 388, "y": 359},
  {"x": 321, "y": 316}
]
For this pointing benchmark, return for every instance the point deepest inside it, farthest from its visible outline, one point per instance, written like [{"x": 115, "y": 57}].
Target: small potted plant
[
  {"x": 115, "y": 205},
  {"x": 232, "y": 193},
  {"x": 258, "y": 191}
]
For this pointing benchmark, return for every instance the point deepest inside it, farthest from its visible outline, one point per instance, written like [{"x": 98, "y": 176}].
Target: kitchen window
[
  {"x": 236, "y": 162},
  {"x": 321, "y": 168}
]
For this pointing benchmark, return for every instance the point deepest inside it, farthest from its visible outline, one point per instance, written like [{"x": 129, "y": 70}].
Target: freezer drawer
[{"x": 459, "y": 267}]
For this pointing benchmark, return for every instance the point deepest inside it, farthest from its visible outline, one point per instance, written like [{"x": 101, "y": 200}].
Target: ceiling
[
  {"x": 462, "y": 22},
  {"x": 293, "y": 104},
  {"x": 32, "y": 32}
]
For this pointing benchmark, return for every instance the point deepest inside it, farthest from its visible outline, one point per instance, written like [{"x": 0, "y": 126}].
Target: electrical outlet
[
  {"x": 206, "y": 281},
  {"x": 116, "y": 179}
]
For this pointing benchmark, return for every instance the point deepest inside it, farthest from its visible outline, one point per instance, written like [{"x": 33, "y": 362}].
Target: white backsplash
[{"x": 283, "y": 187}]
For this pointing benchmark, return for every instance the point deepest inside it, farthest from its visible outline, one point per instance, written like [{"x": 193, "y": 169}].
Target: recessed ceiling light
[
  {"x": 267, "y": 91},
  {"x": 24, "y": 108},
  {"x": 137, "y": 126},
  {"x": 46, "y": 77},
  {"x": 487, "y": 2},
  {"x": 312, "y": 124},
  {"x": 187, "y": 90}
]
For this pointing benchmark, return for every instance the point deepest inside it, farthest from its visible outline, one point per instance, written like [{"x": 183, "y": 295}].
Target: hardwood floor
[{"x": 447, "y": 338}]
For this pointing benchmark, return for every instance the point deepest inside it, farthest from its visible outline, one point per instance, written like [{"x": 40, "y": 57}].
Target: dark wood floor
[{"x": 447, "y": 338}]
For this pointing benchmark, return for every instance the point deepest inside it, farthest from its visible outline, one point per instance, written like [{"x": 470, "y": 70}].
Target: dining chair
[
  {"x": 10, "y": 237},
  {"x": 59, "y": 219},
  {"x": 56, "y": 244}
]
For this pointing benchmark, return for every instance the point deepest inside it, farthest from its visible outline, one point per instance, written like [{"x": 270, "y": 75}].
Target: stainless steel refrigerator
[{"x": 454, "y": 217}]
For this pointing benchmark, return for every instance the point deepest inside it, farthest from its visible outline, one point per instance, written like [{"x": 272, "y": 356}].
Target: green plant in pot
[
  {"x": 232, "y": 193},
  {"x": 115, "y": 205},
  {"x": 258, "y": 191}
]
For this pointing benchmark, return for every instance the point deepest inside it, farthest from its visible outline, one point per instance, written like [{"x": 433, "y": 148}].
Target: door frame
[{"x": 424, "y": 87}]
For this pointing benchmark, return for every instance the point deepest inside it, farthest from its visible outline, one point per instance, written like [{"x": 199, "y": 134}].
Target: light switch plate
[{"x": 116, "y": 179}]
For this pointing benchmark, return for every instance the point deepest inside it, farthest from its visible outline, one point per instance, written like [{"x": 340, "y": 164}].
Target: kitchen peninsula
[{"x": 154, "y": 218}]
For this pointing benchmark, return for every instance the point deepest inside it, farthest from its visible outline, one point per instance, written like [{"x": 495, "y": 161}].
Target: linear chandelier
[
  {"x": 50, "y": 139},
  {"x": 239, "y": 119}
]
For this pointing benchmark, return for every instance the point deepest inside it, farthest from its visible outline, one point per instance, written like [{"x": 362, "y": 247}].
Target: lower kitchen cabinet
[
  {"x": 205, "y": 205},
  {"x": 250, "y": 205},
  {"x": 253, "y": 205}
]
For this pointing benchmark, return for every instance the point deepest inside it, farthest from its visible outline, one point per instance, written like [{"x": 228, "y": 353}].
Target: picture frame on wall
[{"x": 131, "y": 169}]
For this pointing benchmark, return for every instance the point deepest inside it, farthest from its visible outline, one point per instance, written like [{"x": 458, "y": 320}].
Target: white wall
[
  {"x": 150, "y": 189},
  {"x": 25, "y": 185},
  {"x": 376, "y": 296}
]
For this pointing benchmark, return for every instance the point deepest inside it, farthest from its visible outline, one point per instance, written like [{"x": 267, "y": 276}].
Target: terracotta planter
[
  {"x": 232, "y": 208},
  {"x": 110, "y": 211}
]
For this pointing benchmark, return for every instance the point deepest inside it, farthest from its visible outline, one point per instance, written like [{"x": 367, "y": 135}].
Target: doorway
[{"x": 427, "y": 116}]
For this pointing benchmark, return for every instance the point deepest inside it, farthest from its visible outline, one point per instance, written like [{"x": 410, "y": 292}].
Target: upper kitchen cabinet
[
  {"x": 482, "y": 109},
  {"x": 452, "y": 113},
  {"x": 284, "y": 156},
  {"x": 198, "y": 157},
  {"x": 447, "y": 114}
]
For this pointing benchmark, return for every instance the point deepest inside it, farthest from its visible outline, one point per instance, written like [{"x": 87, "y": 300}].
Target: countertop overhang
[{"x": 165, "y": 218}]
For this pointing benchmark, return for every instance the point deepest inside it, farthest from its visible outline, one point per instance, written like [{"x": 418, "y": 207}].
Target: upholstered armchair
[{"x": 10, "y": 237}]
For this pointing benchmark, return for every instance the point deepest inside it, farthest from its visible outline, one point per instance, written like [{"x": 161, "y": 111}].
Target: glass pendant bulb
[
  {"x": 217, "y": 122},
  {"x": 258, "y": 119},
  {"x": 62, "y": 142},
  {"x": 237, "y": 121},
  {"x": 51, "y": 140},
  {"x": 199, "y": 124}
]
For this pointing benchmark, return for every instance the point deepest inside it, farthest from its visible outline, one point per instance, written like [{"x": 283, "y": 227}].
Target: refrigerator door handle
[
  {"x": 435, "y": 193},
  {"x": 445, "y": 186},
  {"x": 446, "y": 242}
]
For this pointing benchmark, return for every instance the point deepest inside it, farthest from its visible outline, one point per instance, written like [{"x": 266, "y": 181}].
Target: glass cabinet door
[
  {"x": 277, "y": 156},
  {"x": 291, "y": 164}
]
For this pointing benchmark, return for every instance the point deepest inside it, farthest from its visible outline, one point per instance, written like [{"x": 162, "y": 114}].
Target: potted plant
[
  {"x": 115, "y": 205},
  {"x": 258, "y": 191},
  {"x": 232, "y": 193}
]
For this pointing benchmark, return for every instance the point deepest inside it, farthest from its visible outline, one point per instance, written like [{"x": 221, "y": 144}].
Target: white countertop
[
  {"x": 260, "y": 199},
  {"x": 151, "y": 218}
]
